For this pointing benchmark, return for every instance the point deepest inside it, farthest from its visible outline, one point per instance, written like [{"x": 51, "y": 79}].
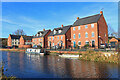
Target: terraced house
[
  {"x": 40, "y": 39},
  {"x": 13, "y": 40},
  {"x": 90, "y": 30},
  {"x": 60, "y": 37},
  {"x": 25, "y": 41}
]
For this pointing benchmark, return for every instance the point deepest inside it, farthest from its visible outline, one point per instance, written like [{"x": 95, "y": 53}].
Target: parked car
[
  {"x": 9, "y": 47},
  {"x": 102, "y": 46}
]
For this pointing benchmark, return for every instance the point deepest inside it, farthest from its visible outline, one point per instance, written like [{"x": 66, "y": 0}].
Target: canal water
[{"x": 24, "y": 65}]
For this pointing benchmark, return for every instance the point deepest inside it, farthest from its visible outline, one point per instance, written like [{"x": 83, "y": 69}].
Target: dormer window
[
  {"x": 60, "y": 31},
  {"x": 40, "y": 34},
  {"x": 37, "y": 34},
  {"x": 55, "y": 31}
]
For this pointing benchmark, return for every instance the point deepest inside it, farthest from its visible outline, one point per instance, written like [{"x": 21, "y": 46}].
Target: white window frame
[
  {"x": 92, "y": 25},
  {"x": 49, "y": 38},
  {"x": 61, "y": 37},
  {"x": 86, "y": 41},
  {"x": 73, "y": 36},
  {"x": 53, "y": 44},
  {"x": 78, "y": 35},
  {"x": 92, "y": 34},
  {"x": 78, "y": 43},
  {"x": 86, "y": 26},
  {"x": 58, "y": 37},
  {"x": 60, "y": 31},
  {"x": 79, "y": 27},
  {"x": 85, "y": 35},
  {"x": 73, "y": 28}
]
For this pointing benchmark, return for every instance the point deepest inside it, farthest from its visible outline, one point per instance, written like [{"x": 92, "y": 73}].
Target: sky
[{"x": 35, "y": 16}]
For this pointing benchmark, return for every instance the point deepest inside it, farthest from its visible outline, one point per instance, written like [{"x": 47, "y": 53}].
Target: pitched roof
[
  {"x": 15, "y": 36},
  {"x": 64, "y": 30},
  {"x": 87, "y": 20},
  {"x": 43, "y": 33},
  {"x": 27, "y": 37}
]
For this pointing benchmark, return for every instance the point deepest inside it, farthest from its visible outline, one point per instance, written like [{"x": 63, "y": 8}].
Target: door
[
  {"x": 93, "y": 43},
  {"x": 74, "y": 44}
]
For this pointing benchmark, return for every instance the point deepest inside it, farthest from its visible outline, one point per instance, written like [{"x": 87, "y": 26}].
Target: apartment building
[
  {"x": 40, "y": 39},
  {"x": 13, "y": 40},
  {"x": 90, "y": 30},
  {"x": 60, "y": 37},
  {"x": 25, "y": 41}
]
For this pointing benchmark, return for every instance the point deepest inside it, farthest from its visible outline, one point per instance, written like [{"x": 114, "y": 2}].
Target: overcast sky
[{"x": 34, "y": 16}]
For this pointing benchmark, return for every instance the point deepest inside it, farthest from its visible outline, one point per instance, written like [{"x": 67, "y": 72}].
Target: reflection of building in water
[
  {"x": 21, "y": 60},
  {"x": 61, "y": 67},
  {"x": 8, "y": 57}
]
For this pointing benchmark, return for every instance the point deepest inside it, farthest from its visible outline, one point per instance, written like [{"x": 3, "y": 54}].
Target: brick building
[
  {"x": 13, "y": 40},
  {"x": 60, "y": 37},
  {"x": 25, "y": 41},
  {"x": 90, "y": 30},
  {"x": 40, "y": 39}
]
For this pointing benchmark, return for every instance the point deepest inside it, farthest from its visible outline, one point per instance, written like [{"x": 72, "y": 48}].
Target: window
[
  {"x": 50, "y": 38},
  {"x": 61, "y": 37},
  {"x": 78, "y": 27},
  {"x": 53, "y": 44},
  {"x": 79, "y": 43},
  {"x": 87, "y": 42},
  {"x": 55, "y": 31},
  {"x": 40, "y": 34},
  {"x": 93, "y": 34},
  {"x": 105, "y": 35},
  {"x": 58, "y": 37},
  {"x": 92, "y": 25},
  {"x": 86, "y": 26},
  {"x": 86, "y": 35},
  {"x": 12, "y": 43},
  {"x": 79, "y": 35},
  {"x": 74, "y": 28},
  {"x": 60, "y": 31},
  {"x": 53, "y": 38},
  {"x": 74, "y": 36},
  {"x": 39, "y": 39}
]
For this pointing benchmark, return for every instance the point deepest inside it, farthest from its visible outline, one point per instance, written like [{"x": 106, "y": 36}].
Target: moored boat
[{"x": 35, "y": 51}]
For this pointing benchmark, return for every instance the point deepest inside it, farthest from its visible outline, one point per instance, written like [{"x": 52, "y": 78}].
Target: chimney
[
  {"x": 101, "y": 12},
  {"x": 43, "y": 29},
  {"x": 77, "y": 18},
  {"x": 62, "y": 25}
]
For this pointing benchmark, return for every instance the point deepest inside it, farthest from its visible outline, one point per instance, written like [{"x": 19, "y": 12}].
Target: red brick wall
[
  {"x": 82, "y": 31},
  {"x": 25, "y": 46},
  {"x": 46, "y": 39},
  {"x": 37, "y": 41},
  {"x": 9, "y": 42},
  {"x": 22, "y": 42},
  {"x": 102, "y": 30},
  {"x": 56, "y": 40},
  {"x": 68, "y": 37}
]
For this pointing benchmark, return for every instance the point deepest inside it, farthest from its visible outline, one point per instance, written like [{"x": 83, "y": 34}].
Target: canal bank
[
  {"x": 89, "y": 55},
  {"x": 14, "y": 50}
]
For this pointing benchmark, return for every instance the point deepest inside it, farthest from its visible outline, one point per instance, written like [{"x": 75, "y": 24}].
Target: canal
[{"x": 22, "y": 65}]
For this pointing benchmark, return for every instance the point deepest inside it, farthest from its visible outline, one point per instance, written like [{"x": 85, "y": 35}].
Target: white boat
[
  {"x": 69, "y": 56},
  {"x": 35, "y": 51}
]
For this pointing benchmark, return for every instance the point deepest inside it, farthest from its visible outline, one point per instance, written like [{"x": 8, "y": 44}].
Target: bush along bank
[{"x": 99, "y": 56}]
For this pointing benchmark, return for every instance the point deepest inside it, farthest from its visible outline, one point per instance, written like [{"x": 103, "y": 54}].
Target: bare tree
[
  {"x": 111, "y": 32},
  {"x": 19, "y": 32}
]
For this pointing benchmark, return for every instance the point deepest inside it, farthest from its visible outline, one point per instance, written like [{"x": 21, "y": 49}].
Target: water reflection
[{"x": 29, "y": 65}]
